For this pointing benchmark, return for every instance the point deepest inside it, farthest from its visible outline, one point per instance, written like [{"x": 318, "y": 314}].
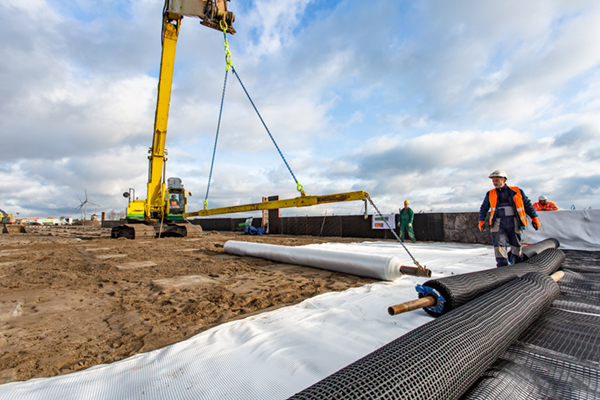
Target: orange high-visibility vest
[
  {"x": 517, "y": 198},
  {"x": 550, "y": 206}
]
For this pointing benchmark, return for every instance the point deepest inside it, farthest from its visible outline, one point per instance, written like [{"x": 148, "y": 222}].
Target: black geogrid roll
[
  {"x": 523, "y": 373},
  {"x": 558, "y": 356},
  {"x": 442, "y": 359},
  {"x": 579, "y": 291},
  {"x": 537, "y": 248},
  {"x": 460, "y": 289}
]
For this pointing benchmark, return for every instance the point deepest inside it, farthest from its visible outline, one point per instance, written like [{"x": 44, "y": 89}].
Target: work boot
[{"x": 501, "y": 262}]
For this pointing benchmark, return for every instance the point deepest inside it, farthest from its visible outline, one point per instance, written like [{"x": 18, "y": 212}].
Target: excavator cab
[
  {"x": 4, "y": 217},
  {"x": 175, "y": 199}
]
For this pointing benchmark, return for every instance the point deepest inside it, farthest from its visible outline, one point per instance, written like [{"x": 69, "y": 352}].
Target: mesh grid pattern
[
  {"x": 577, "y": 304},
  {"x": 572, "y": 334},
  {"x": 579, "y": 292},
  {"x": 523, "y": 374},
  {"x": 580, "y": 288},
  {"x": 582, "y": 261},
  {"x": 558, "y": 357},
  {"x": 460, "y": 289},
  {"x": 537, "y": 248},
  {"x": 442, "y": 358}
]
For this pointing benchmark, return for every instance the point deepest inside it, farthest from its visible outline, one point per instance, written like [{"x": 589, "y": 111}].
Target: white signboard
[{"x": 379, "y": 221}]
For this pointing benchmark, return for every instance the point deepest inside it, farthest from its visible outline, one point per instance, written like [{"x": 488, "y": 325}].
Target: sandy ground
[{"x": 72, "y": 298}]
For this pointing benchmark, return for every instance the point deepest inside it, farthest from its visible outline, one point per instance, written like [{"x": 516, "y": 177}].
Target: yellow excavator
[
  {"x": 166, "y": 202},
  {"x": 164, "y": 211}
]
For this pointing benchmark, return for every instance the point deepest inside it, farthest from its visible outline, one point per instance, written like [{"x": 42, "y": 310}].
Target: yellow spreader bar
[{"x": 302, "y": 201}]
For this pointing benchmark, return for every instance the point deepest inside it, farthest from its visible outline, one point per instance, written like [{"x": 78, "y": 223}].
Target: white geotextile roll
[{"x": 386, "y": 268}]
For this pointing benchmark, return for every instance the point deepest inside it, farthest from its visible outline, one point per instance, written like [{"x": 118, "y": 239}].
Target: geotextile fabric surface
[
  {"x": 574, "y": 229},
  {"x": 443, "y": 358},
  {"x": 276, "y": 354},
  {"x": 460, "y": 289},
  {"x": 272, "y": 355}
]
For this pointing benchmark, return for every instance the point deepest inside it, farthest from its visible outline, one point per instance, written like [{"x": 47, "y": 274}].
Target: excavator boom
[{"x": 211, "y": 14}]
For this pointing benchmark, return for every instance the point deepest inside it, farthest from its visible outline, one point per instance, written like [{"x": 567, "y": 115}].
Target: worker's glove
[
  {"x": 481, "y": 225},
  {"x": 536, "y": 223},
  {"x": 410, "y": 225}
]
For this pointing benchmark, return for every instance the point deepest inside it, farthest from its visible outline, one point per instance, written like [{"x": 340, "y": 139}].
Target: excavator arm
[
  {"x": 166, "y": 201},
  {"x": 211, "y": 13}
]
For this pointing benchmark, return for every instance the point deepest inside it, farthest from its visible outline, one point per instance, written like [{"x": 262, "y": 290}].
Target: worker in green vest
[{"x": 405, "y": 222}]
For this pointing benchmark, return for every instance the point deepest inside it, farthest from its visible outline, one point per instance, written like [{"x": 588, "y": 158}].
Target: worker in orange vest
[
  {"x": 544, "y": 205},
  {"x": 509, "y": 208},
  {"x": 174, "y": 204}
]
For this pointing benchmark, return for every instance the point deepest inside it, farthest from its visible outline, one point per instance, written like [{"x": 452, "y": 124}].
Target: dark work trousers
[
  {"x": 506, "y": 235},
  {"x": 408, "y": 231}
]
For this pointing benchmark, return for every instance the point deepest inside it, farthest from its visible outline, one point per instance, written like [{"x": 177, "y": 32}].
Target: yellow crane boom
[{"x": 302, "y": 201}]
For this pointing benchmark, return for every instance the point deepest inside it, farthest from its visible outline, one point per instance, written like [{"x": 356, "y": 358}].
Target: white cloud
[{"x": 274, "y": 23}]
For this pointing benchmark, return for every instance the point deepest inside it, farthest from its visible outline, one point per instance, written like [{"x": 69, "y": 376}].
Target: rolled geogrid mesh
[
  {"x": 557, "y": 357},
  {"x": 524, "y": 373},
  {"x": 579, "y": 292},
  {"x": 443, "y": 358},
  {"x": 537, "y": 248},
  {"x": 460, "y": 289}
]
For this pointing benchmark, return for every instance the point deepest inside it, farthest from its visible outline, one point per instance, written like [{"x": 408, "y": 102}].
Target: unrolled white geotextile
[
  {"x": 271, "y": 355},
  {"x": 574, "y": 229}
]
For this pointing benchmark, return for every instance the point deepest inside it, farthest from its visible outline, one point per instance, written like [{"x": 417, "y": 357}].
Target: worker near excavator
[
  {"x": 544, "y": 205},
  {"x": 509, "y": 208},
  {"x": 406, "y": 221},
  {"x": 174, "y": 201}
]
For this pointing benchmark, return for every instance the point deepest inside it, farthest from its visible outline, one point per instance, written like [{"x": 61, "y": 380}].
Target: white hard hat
[
  {"x": 498, "y": 174},
  {"x": 541, "y": 198}
]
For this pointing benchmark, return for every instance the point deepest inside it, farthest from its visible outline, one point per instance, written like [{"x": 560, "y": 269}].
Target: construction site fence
[{"x": 434, "y": 227}]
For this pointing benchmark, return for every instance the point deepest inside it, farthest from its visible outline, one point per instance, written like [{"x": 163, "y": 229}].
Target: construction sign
[{"x": 378, "y": 221}]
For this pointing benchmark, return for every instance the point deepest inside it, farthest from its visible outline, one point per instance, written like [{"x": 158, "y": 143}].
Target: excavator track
[
  {"x": 187, "y": 230},
  {"x": 17, "y": 228},
  {"x": 133, "y": 231},
  {"x": 144, "y": 231}
]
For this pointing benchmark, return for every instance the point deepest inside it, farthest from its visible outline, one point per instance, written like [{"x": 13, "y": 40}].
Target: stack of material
[
  {"x": 508, "y": 343},
  {"x": 557, "y": 357},
  {"x": 442, "y": 359}
]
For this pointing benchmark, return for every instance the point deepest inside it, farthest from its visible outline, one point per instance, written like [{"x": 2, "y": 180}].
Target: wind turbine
[{"x": 83, "y": 206}]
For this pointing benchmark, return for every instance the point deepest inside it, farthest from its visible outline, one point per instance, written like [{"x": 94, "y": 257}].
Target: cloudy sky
[{"x": 415, "y": 100}]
